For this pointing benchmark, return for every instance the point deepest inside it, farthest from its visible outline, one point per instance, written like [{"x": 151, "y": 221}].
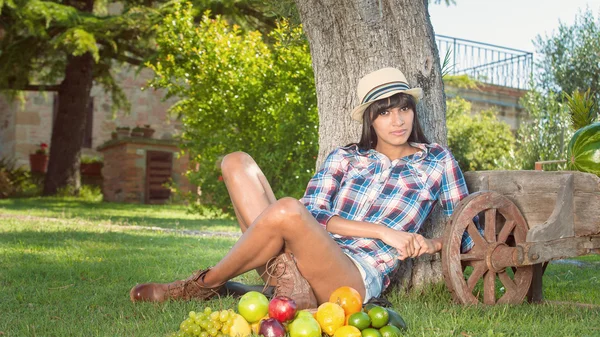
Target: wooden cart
[{"x": 527, "y": 219}]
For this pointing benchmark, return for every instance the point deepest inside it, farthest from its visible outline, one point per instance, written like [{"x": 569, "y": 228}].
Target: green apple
[
  {"x": 304, "y": 327},
  {"x": 253, "y": 306}
]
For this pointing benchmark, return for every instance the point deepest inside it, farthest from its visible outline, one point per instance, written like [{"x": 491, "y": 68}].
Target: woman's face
[{"x": 393, "y": 126}]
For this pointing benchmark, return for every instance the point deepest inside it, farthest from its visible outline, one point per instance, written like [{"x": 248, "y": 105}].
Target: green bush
[
  {"x": 544, "y": 135},
  {"x": 17, "y": 181},
  {"x": 478, "y": 142},
  {"x": 239, "y": 93}
]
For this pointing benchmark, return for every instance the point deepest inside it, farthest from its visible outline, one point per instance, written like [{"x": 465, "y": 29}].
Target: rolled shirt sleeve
[{"x": 323, "y": 186}]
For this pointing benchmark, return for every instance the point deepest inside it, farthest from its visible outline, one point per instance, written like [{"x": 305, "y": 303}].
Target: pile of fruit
[{"x": 342, "y": 316}]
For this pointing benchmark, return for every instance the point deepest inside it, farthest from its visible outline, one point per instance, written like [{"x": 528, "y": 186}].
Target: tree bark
[
  {"x": 349, "y": 39},
  {"x": 69, "y": 126}
]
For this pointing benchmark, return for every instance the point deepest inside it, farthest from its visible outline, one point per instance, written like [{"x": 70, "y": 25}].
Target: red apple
[
  {"x": 271, "y": 327},
  {"x": 282, "y": 308}
]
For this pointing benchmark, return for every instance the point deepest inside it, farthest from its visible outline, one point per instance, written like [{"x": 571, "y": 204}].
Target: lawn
[
  {"x": 66, "y": 267},
  {"x": 164, "y": 216}
]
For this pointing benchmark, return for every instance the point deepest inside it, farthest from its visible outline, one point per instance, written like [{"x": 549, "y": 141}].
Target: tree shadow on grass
[{"x": 164, "y": 216}]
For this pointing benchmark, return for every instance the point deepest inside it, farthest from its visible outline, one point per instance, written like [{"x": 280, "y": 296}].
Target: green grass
[
  {"x": 165, "y": 216},
  {"x": 72, "y": 278}
]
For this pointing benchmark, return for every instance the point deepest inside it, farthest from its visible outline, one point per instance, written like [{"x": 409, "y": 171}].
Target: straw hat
[{"x": 380, "y": 84}]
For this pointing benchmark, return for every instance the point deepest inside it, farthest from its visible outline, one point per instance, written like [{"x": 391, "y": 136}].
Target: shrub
[
  {"x": 478, "y": 142},
  {"x": 238, "y": 93},
  {"x": 546, "y": 132},
  {"x": 85, "y": 159},
  {"x": 17, "y": 181}
]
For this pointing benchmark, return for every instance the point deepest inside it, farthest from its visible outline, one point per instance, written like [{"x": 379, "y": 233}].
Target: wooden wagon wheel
[{"x": 504, "y": 226}]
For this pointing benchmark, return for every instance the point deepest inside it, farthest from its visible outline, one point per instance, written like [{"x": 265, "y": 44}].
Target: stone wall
[
  {"x": 7, "y": 129},
  {"x": 24, "y": 127},
  {"x": 505, "y": 101}
]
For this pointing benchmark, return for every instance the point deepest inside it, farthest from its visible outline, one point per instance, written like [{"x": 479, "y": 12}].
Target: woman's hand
[
  {"x": 428, "y": 246},
  {"x": 409, "y": 244}
]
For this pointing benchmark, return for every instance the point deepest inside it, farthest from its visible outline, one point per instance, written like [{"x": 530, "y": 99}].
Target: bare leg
[
  {"x": 287, "y": 224},
  {"x": 249, "y": 191}
]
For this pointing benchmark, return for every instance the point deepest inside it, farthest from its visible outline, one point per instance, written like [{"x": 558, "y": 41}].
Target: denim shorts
[{"x": 372, "y": 277}]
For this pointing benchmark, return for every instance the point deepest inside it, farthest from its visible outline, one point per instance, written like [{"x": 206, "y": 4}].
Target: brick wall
[{"x": 124, "y": 168}]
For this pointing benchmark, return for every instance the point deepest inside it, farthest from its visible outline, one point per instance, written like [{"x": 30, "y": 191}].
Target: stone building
[
  {"x": 503, "y": 100},
  {"x": 25, "y": 125}
]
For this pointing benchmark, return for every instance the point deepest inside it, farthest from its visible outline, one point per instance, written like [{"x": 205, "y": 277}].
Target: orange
[
  {"x": 348, "y": 298},
  {"x": 330, "y": 317},
  {"x": 347, "y": 331}
]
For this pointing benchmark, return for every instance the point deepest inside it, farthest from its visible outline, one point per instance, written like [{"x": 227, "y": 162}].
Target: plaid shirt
[{"x": 366, "y": 186}]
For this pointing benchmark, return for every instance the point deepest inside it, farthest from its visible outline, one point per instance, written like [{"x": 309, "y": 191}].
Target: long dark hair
[{"x": 368, "y": 139}]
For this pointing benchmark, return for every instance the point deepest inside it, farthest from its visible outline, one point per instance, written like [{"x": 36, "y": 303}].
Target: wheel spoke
[
  {"x": 473, "y": 255},
  {"x": 489, "y": 288},
  {"x": 507, "y": 282},
  {"x": 479, "y": 268},
  {"x": 506, "y": 230},
  {"x": 490, "y": 225},
  {"x": 474, "y": 233}
]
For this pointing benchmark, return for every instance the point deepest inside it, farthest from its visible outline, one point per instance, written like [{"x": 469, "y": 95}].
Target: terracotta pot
[
  {"x": 38, "y": 162},
  {"x": 148, "y": 132},
  {"x": 91, "y": 169}
]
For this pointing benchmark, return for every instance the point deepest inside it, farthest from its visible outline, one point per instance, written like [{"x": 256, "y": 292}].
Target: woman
[{"x": 360, "y": 214}]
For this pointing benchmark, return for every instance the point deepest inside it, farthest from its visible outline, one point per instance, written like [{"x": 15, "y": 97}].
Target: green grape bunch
[{"x": 207, "y": 323}]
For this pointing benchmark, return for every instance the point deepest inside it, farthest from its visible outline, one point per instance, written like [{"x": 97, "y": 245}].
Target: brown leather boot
[
  {"x": 190, "y": 288},
  {"x": 290, "y": 282}
]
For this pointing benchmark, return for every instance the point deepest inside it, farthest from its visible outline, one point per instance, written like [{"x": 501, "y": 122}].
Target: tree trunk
[
  {"x": 351, "y": 38},
  {"x": 69, "y": 126}
]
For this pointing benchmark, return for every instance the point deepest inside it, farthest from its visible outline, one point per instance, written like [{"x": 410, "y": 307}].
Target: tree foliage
[
  {"x": 66, "y": 46},
  {"x": 238, "y": 93},
  {"x": 39, "y": 35},
  {"x": 569, "y": 57},
  {"x": 478, "y": 142}
]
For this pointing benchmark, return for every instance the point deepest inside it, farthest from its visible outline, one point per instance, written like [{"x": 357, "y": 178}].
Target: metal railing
[{"x": 486, "y": 62}]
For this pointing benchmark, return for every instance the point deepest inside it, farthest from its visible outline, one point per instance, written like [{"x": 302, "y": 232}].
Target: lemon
[
  {"x": 240, "y": 327},
  {"x": 347, "y": 331},
  {"x": 330, "y": 316}
]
